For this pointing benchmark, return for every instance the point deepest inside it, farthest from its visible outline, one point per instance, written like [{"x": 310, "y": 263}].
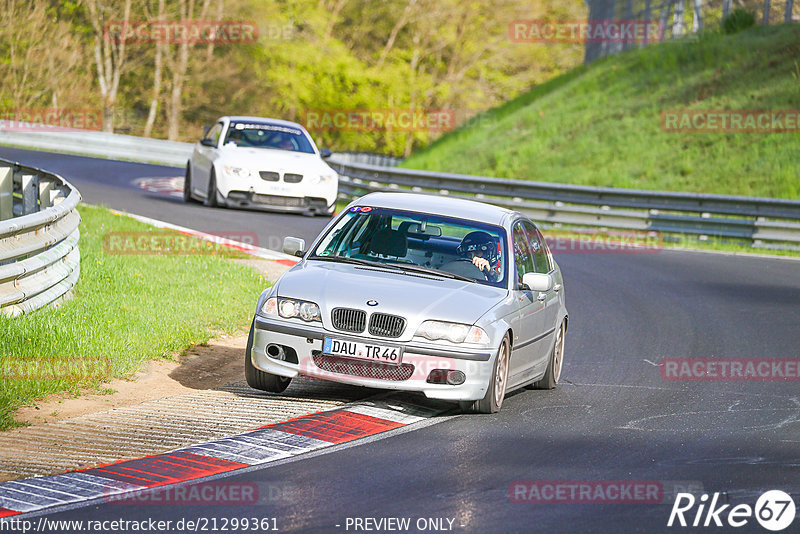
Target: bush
[{"x": 738, "y": 20}]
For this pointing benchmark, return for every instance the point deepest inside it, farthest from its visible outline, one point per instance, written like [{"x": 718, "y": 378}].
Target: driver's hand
[{"x": 481, "y": 263}]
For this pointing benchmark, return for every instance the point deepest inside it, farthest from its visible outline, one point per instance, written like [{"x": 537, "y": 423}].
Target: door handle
[
  {"x": 541, "y": 296},
  {"x": 557, "y": 288}
]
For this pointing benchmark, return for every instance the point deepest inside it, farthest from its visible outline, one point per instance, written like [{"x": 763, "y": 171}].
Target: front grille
[
  {"x": 385, "y": 325},
  {"x": 277, "y": 200},
  {"x": 269, "y": 176},
  {"x": 349, "y": 320},
  {"x": 292, "y": 178},
  {"x": 379, "y": 371}
]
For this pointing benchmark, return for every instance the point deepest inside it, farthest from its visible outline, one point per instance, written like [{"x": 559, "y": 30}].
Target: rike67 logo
[{"x": 774, "y": 510}]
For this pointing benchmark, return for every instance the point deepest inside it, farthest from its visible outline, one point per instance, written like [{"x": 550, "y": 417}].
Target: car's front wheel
[
  {"x": 553, "y": 372},
  {"x": 258, "y": 379},
  {"x": 211, "y": 193},
  {"x": 493, "y": 400},
  {"x": 187, "y": 185}
]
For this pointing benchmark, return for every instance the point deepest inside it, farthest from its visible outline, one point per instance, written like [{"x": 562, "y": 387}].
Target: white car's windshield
[
  {"x": 267, "y": 135},
  {"x": 465, "y": 249}
]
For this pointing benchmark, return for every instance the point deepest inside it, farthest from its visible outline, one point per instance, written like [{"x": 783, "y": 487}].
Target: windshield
[
  {"x": 401, "y": 238},
  {"x": 266, "y": 135}
]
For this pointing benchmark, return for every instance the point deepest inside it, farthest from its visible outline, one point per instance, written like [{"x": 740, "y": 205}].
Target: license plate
[{"x": 363, "y": 351}]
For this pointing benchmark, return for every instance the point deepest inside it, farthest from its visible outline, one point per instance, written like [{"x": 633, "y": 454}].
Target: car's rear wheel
[
  {"x": 553, "y": 372},
  {"x": 187, "y": 185},
  {"x": 258, "y": 379},
  {"x": 211, "y": 196},
  {"x": 493, "y": 400}
]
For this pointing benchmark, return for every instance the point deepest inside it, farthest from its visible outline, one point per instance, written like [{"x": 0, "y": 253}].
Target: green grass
[
  {"x": 601, "y": 124},
  {"x": 127, "y": 309}
]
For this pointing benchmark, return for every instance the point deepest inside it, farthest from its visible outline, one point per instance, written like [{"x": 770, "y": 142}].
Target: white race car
[{"x": 261, "y": 163}]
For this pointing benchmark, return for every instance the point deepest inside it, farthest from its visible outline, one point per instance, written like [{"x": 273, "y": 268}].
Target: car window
[
  {"x": 388, "y": 236},
  {"x": 523, "y": 258},
  {"x": 214, "y": 133},
  {"x": 541, "y": 260},
  {"x": 267, "y": 135}
]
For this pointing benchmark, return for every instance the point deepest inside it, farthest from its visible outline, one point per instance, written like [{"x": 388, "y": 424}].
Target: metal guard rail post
[{"x": 39, "y": 255}]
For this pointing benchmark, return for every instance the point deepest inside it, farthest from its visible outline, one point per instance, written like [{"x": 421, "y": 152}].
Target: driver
[
  {"x": 481, "y": 249},
  {"x": 285, "y": 144}
]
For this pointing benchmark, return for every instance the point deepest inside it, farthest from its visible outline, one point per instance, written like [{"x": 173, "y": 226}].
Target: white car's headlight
[
  {"x": 291, "y": 308},
  {"x": 237, "y": 172},
  {"x": 454, "y": 332},
  {"x": 325, "y": 179}
]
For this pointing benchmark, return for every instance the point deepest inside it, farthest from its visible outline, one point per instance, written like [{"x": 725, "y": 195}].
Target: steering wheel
[{"x": 463, "y": 267}]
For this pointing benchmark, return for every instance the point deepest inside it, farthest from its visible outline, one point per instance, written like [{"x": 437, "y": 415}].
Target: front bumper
[
  {"x": 288, "y": 204},
  {"x": 306, "y": 341}
]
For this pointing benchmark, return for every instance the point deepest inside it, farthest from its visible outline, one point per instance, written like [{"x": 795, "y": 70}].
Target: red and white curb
[
  {"x": 260, "y": 446},
  {"x": 258, "y": 252},
  {"x": 168, "y": 185}
]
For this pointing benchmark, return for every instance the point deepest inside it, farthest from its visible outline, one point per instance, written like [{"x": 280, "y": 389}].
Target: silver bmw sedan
[{"x": 456, "y": 299}]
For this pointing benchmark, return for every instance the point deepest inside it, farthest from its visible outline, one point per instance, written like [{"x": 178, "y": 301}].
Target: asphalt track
[{"x": 613, "y": 417}]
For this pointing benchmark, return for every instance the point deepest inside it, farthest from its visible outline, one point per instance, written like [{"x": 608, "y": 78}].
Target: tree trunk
[
  {"x": 157, "y": 67},
  {"x": 787, "y": 14},
  {"x": 765, "y": 18},
  {"x": 697, "y": 19},
  {"x": 677, "y": 22}
]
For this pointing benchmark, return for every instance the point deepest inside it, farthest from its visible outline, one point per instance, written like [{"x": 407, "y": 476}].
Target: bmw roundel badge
[{"x": 372, "y": 303}]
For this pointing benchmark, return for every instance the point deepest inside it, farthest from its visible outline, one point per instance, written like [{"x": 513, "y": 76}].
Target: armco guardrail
[
  {"x": 100, "y": 144},
  {"x": 39, "y": 255},
  {"x": 574, "y": 205},
  {"x": 767, "y": 222}
]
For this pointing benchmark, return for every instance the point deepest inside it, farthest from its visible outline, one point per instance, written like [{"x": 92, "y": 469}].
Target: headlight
[
  {"x": 270, "y": 307},
  {"x": 291, "y": 308},
  {"x": 237, "y": 172},
  {"x": 454, "y": 332},
  {"x": 325, "y": 179}
]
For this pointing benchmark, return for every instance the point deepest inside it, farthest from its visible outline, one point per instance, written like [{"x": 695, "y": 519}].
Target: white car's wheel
[
  {"x": 187, "y": 185},
  {"x": 553, "y": 372},
  {"x": 211, "y": 192},
  {"x": 496, "y": 392}
]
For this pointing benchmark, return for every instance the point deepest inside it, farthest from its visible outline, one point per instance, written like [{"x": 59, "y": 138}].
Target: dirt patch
[{"x": 202, "y": 367}]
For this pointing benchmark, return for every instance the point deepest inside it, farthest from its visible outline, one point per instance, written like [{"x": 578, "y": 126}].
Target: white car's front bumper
[
  {"x": 253, "y": 192},
  {"x": 418, "y": 361}
]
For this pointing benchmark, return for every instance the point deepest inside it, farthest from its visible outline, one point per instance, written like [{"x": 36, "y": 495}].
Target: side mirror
[
  {"x": 208, "y": 142},
  {"x": 325, "y": 153},
  {"x": 537, "y": 281},
  {"x": 206, "y": 128},
  {"x": 294, "y": 246}
]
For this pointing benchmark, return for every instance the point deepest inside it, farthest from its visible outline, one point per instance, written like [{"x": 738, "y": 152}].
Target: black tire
[
  {"x": 493, "y": 400},
  {"x": 187, "y": 185},
  {"x": 258, "y": 379},
  {"x": 556, "y": 363},
  {"x": 211, "y": 193}
]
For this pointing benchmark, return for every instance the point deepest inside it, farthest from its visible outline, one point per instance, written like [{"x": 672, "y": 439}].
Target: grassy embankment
[{"x": 127, "y": 309}]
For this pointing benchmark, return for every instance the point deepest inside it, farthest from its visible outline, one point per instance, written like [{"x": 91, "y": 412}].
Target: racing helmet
[{"x": 480, "y": 241}]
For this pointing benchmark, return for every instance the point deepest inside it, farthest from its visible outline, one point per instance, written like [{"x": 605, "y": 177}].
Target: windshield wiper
[
  {"x": 345, "y": 259},
  {"x": 436, "y": 272},
  {"x": 410, "y": 267}
]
